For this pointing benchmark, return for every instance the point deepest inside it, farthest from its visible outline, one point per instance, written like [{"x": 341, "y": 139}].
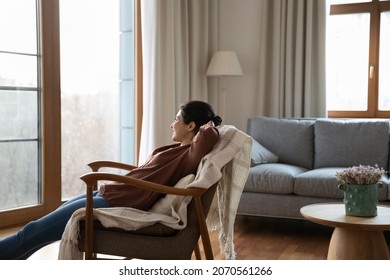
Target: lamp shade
[{"x": 224, "y": 63}]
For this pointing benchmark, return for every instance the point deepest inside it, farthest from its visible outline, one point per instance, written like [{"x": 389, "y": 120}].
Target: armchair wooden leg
[
  {"x": 197, "y": 252},
  {"x": 204, "y": 234}
]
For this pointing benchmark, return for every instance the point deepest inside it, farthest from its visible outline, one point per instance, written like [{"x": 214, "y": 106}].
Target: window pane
[
  {"x": 18, "y": 160},
  {"x": 89, "y": 87},
  {"x": 18, "y": 70},
  {"x": 384, "y": 63},
  {"x": 19, "y": 110},
  {"x": 18, "y": 115},
  {"x": 18, "y": 26},
  {"x": 347, "y": 62}
]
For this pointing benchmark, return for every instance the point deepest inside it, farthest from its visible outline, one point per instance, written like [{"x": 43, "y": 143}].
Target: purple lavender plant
[{"x": 360, "y": 175}]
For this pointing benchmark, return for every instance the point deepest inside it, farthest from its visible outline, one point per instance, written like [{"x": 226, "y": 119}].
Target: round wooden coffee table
[{"x": 354, "y": 238}]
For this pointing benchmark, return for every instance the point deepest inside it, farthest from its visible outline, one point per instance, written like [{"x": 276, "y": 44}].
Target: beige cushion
[{"x": 163, "y": 205}]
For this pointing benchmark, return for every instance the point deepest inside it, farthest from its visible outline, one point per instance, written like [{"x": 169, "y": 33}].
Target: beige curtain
[
  {"x": 292, "y": 58},
  {"x": 175, "y": 48}
]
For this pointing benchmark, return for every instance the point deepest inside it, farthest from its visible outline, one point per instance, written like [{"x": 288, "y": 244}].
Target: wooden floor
[{"x": 259, "y": 238}]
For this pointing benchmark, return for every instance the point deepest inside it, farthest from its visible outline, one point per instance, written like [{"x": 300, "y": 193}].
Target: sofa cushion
[
  {"x": 277, "y": 178},
  {"x": 322, "y": 182},
  {"x": 384, "y": 190},
  {"x": 340, "y": 143},
  {"x": 289, "y": 139},
  {"x": 260, "y": 154}
]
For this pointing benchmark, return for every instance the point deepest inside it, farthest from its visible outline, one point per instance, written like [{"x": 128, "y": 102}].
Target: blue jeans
[{"x": 39, "y": 233}]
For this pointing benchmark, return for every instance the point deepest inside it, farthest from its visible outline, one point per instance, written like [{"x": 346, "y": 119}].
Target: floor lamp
[{"x": 224, "y": 63}]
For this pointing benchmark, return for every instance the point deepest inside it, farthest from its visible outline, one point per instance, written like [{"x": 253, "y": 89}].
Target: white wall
[{"x": 239, "y": 22}]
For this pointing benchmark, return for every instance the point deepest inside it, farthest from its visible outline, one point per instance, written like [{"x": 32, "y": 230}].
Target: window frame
[
  {"x": 48, "y": 16},
  {"x": 50, "y": 140},
  {"x": 374, "y": 8}
]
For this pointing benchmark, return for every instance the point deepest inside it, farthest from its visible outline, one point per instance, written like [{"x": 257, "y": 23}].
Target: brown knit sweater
[{"x": 167, "y": 165}]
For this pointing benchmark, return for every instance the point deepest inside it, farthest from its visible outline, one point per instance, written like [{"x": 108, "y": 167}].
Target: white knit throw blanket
[{"x": 228, "y": 163}]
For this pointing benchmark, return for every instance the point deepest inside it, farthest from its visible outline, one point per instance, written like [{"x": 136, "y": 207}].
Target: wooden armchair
[{"x": 152, "y": 242}]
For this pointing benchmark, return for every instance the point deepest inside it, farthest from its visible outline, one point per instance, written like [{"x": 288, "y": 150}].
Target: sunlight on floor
[{"x": 49, "y": 252}]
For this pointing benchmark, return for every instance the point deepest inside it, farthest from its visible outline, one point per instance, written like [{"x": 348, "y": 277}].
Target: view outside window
[
  {"x": 19, "y": 105},
  {"x": 96, "y": 86},
  {"x": 347, "y": 61}
]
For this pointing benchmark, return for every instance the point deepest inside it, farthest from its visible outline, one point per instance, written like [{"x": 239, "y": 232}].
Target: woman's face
[{"x": 182, "y": 132}]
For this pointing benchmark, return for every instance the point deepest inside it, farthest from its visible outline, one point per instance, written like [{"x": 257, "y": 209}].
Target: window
[
  {"x": 61, "y": 107},
  {"x": 19, "y": 105},
  {"x": 97, "y": 96},
  {"x": 357, "y": 59}
]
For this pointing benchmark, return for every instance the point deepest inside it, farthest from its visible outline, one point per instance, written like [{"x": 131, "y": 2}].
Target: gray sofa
[{"x": 294, "y": 162}]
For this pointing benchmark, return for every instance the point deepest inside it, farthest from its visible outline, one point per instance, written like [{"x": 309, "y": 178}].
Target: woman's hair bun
[{"x": 216, "y": 120}]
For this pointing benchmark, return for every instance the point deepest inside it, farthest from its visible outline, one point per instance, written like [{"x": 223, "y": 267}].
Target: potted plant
[{"x": 360, "y": 185}]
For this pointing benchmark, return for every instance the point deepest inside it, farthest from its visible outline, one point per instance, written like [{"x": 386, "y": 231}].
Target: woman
[{"x": 195, "y": 133}]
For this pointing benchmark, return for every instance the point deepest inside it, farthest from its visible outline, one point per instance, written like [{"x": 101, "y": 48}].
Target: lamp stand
[
  {"x": 223, "y": 63},
  {"x": 222, "y": 99}
]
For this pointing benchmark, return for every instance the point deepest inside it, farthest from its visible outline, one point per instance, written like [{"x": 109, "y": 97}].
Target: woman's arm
[{"x": 203, "y": 142}]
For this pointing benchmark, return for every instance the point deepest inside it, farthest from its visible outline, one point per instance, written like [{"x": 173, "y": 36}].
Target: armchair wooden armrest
[
  {"x": 96, "y": 165},
  {"x": 91, "y": 180}
]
